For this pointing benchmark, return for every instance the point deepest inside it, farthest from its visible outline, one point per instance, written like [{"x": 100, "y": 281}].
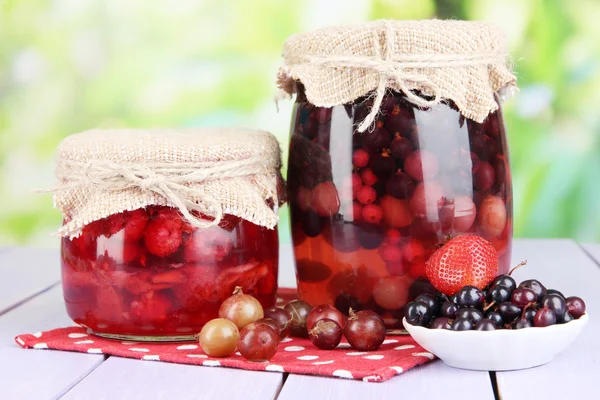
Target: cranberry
[
  {"x": 325, "y": 311},
  {"x": 492, "y": 216},
  {"x": 326, "y": 334},
  {"x": 312, "y": 271},
  {"x": 368, "y": 177},
  {"x": 400, "y": 147},
  {"x": 365, "y": 330},
  {"x": 391, "y": 292},
  {"x": 258, "y": 342},
  {"x": 396, "y": 212},
  {"x": 421, "y": 165},
  {"x": 360, "y": 158},
  {"x": 485, "y": 176},
  {"x": 427, "y": 199},
  {"x": 356, "y": 183},
  {"x": 324, "y": 199},
  {"x": 400, "y": 185},
  {"x": 372, "y": 213},
  {"x": 366, "y": 195},
  {"x": 383, "y": 165},
  {"x": 282, "y": 318}
]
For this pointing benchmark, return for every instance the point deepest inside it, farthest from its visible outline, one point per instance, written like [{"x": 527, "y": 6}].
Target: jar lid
[
  {"x": 203, "y": 172},
  {"x": 466, "y": 62}
]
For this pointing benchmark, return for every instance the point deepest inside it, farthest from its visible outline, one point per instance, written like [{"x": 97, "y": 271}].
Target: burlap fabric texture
[
  {"x": 213, "y": 171},
  {"x": 429, "y": 61}
]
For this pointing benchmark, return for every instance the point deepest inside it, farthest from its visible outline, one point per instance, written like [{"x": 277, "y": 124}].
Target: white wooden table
[{"x": 31, "y": 300}]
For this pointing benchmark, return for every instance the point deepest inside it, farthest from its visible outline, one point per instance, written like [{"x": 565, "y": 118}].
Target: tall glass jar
[{"x": 377, "y": 204}]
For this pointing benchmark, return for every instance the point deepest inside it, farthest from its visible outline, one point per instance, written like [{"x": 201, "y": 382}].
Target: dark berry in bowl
[
  {"x": 441, "y": 323},
  {"x": 509, "y": 311},
  {"x": 417, "y": 313},
  {"x": 472, "y": 314},
  {"x": 495, "y": 317},
  {"x": 522, "y": 323},
  {"x": 498, "y": 294},
  {"x": 557, "y": 292},
  {"x": 522, "y": 297},
  {"x": 556, "y": 303},
  {"x": 449, "y": 309},
  {"x": 529, "y": 314},
  {"x": 536, "y": 286},
  {"x": 504, "y": 280},
  {"x": 567, "y": 317},
  {"x": 575, "y": 306},
  {"x": 431, "y": 302},
  {"x": 469, "y": 296},
  {"x": 462, "y": 324},
  {"x": 544, "y": 317},
  {"x": 485, "y": 325}
]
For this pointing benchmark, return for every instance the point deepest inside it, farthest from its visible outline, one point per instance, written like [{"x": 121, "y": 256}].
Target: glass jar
[
  {"x": 365, "y": 206},
  {"x": 149, "y": 275}
]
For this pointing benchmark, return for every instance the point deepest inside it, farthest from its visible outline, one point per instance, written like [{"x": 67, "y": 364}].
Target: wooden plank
[
  {"x": 593, "y": 250},
  {"x": 122, "y": 378},
  {"x": 562, "y": 265},
  {"x": 39, "y": 374},
  {"x": 25, "y": 272},
  {"x": 434, "y": 380}
]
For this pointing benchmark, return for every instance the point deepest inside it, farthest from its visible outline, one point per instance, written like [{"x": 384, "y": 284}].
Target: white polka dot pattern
[
  {"x": 307, "y": 358},
  {"x": 294, "y": 348},
  {"x": 187, "y": 347}
]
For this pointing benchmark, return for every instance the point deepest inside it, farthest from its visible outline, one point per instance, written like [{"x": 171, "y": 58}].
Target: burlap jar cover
[
  {"x": 213, "y": 171},
  {"x": 429, "y": 61}
]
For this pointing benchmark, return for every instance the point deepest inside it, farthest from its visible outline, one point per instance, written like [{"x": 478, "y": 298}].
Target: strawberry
[
  {"x": 135, "y": 224},
  {"x": 464, "y": 260},
  {"x": 151, "y": 307},
  {"x": 163, "y": 234},
  {"x": 213, "y": 246}
]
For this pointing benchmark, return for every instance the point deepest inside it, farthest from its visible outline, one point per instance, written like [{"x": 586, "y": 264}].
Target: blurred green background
[{"x": 69, "y": 65}]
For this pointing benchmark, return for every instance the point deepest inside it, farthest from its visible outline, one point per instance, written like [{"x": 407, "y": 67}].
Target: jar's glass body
[
  {"x": 148, "y": 274},
  {"x": 365, "y": 206}
]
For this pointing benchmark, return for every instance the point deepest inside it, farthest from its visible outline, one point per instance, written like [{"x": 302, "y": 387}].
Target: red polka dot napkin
[{"x": 299, "y": 356}]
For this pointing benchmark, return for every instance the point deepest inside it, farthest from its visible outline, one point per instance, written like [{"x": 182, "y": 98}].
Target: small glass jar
[
  {"x": 148, "y": 273},
  {"x": 377, "y": 204}
]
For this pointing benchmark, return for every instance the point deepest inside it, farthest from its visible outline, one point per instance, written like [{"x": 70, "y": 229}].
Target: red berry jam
[
  {"x": 148, "y": 274},
  {"x": 368, "y": 209}
]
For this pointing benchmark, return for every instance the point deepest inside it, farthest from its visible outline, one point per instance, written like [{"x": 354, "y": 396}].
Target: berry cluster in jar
[
  {"x": 149, "y": 272},
  {"x": 369, "y": 208},
  {"x": 500, "y": 305},
  {"x": 244, "y": 325}
]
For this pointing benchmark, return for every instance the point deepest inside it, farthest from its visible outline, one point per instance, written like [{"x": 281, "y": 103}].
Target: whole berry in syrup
[
  {"x": 366, "y": 195},
  {"x": 441, "y": 323},
  {"x": 400, "y": 185},
  {"x": 219, "y": 337},
  {"x": 372, "y": 213},
  {"x": 365, "y": 330},
  {"x": 449, "y": 309},
  {"x": 556, "y": 303},
  {"x": 575, "y": 306},
  {"x": 400, "y": 147},
  {"x": 344, "y": 302},
  {"x": 324, "y": 199},
  {"x": 311, "y": 224},
  {"x": 498, "y": 294},
  {"x": 485, "y": 325},
  {"x": 464, "y": 260},
  {"x": 370, "y": 236},
  {"x": 391, "y": 292},
  {"x": 472, "y": 314},
  {"x": 462, "y": 324},
  {"x": 258, "y": 342},
  {"x": 495, "y": 317},
  {"x": 421, "y": 165},
  {"x": 299, "y": 310},
  {"x": 325, "y": 311},
  {"x": 360, "y": 158},
  {"x": 326, "y": 334},
  {"x": 521, "y": 324},
  {"x": 509, "y": 311},
  {"x": 368, "y": 177},
  {"x": 431, "y": 302},
  {"x": 469, "y": 296},
  {"x": 536, "y": 286},
  {"x": 282, "y": 318},
  {"x": 544, "y": 317},
  {"x": 383, "y": 165},
  {"x": 523, "y": 297},
  {"x": 241, "y": 309},
  {"x": 418, "y": 313}
]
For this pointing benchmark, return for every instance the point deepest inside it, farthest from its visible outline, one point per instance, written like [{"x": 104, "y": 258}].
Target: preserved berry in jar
[{"x": 404, "y": 159}]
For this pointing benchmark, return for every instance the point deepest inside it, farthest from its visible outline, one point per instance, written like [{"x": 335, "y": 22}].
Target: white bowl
[{"x": 499, "y": 350}]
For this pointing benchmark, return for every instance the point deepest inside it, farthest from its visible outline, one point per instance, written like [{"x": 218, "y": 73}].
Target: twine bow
[
  {"x": 178, "y": 183},
  {"x": 395, "y": 68}
]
